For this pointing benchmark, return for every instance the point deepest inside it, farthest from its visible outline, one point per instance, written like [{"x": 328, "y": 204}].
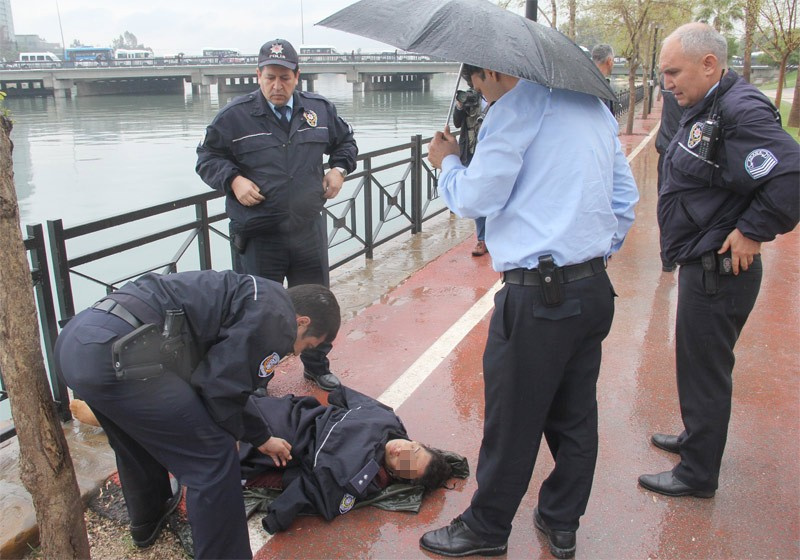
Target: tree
[
  {"x": 76, "y": 43},
  {"x": 720, "y": 14},
  {"x": 45, "y": 465},
  {"x": 778, "y": 24},
  {"x": 794, "y": 113},
  {"x": 128, "y": 41},
  {"x": 751, "y": 9}
]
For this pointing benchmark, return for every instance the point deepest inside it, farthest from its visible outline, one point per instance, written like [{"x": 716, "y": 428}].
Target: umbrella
[{"x": 479, "y": 33}]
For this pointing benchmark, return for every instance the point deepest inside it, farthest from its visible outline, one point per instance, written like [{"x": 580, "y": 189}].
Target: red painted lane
[{"x": 755, "y": 512}]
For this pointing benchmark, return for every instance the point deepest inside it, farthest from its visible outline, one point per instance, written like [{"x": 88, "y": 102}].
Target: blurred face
[
  {"x": 406, "y": 459},
  {"x": 277, "y": 83},
  {"x": 688, "y": 78}
]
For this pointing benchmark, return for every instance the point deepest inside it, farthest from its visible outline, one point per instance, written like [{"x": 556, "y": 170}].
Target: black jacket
[
  {"x": 245, "y": 138},
  {"x": 241, "y": 326},
  {"x": 753, "y": 185}
]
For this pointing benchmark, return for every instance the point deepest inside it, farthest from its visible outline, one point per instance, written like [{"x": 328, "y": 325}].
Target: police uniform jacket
[
  {"x": 240, "y": 326},
  {"x": 337, "y": 451},
  {"x": 752, "y": 185},
  {"x": 245, "y": 138}
]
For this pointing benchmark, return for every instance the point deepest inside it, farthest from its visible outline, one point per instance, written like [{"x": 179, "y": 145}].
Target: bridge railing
[{"x": 391, "y": 193}]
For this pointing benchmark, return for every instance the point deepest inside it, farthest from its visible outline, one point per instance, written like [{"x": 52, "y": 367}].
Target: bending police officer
[
  {"x": 163, "y": 414},
  {"x": 731, "y": 176},
  {"x": 264, "y": 150}
]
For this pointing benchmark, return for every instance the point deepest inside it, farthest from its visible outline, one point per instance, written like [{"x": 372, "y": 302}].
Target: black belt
[
  {"x": 565, "y": 274},
  {"x": 111, "y": 306}
]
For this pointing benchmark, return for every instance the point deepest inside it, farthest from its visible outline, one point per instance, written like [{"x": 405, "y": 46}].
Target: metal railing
[
  {"x": 392, "y": 192},
  {"x": 624, "y": 100}
]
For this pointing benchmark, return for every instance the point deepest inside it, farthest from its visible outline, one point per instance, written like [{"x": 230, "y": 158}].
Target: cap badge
[{"x": 276, "y": 51}]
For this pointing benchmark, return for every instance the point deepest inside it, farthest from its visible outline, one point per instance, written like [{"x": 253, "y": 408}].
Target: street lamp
[
  {"x": 63, "y": 43},
  {"x": 302, "y": 31},
  {"x": 656, "y": 27}
]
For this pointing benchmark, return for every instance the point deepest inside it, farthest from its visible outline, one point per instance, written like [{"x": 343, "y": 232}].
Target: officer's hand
[
  {"x": 743, "y": 250},
  {"x": 277, "y": 449},
  {"x": 332, "y": 183},
  {"x": 442, "y": 145},
  {"x": 246, "y": 191}
]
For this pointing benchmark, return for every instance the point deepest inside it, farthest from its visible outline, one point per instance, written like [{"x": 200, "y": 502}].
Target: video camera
[{"x": 468, "y": 98}]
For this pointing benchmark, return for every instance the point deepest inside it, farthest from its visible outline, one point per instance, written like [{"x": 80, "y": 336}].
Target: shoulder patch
[
  {"x": 347, "y": 503},
  {"x": 695, "y": 135},
  {"x": 268, "y": 364},
  {"x": 759, "y": 163}
]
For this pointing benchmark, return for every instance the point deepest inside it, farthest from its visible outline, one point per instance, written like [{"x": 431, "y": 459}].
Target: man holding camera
[
  {"x": 731, "y": 176},
  {"x": 553, "y": 218}
]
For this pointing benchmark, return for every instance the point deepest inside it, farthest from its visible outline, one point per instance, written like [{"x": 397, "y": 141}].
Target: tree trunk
[
  {"x": 631, "y": 99},
  {"x": 781, "y": 77},
  {"x": 794, "y": 113},
  {"x": 45, "y": 464},
  {"x": 573, "y": 8},
  {"x": 751, "y": 13},
  {"x": 554, "y": 9}
]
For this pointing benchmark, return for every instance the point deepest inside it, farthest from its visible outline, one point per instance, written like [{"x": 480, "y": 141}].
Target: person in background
[
  {"x": 731, "y": 177},
  {"x": 468, "y": 114},
  {"x": 554, "y": 216},
  {"x": 603, "y": 58},
  {"x": 264, "y": 150}
]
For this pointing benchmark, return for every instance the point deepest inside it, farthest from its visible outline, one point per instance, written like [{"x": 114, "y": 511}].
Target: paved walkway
[{"x": 415, "y": 325}]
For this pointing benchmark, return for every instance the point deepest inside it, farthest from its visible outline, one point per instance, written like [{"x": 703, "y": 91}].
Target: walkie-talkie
[{"x": 710, "y": 136}]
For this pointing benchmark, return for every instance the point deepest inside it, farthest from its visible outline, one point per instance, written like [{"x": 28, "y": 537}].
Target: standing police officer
[
  {"x": 176, "y": 403},
  {"x": 264, "y": 151},
  {"x": 731, "y": 179}
]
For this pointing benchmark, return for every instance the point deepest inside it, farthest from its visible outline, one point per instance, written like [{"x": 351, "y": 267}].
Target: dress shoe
[
  {"x": 562, "y": 543},
  {"x": 666, "y": 442},
  {"x": 480, "y": 249},
  {"x": 458, "y": 540},
  {"x": 325, "y": 381},
  {"x": 145, "y": 534},
  {"x": 666, "y": 483}
]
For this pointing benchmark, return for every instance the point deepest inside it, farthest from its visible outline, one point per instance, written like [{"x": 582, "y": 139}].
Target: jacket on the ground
[
  {"x": 752, "y": 185},
  {"x": 246, "y": 138}
]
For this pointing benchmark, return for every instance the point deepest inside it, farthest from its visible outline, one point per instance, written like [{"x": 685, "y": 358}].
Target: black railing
[
  {"x": 624, "y": 100},
  {"x": 392, "y": 192}
]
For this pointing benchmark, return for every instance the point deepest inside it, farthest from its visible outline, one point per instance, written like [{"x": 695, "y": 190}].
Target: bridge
[{"x": 384, "y": 71}]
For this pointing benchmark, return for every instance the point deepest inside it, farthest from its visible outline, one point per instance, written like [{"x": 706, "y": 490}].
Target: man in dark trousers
[
  {"x": 264, "y": 150},
  {"x": 553, "y": 217},
  {"x": 670, "y": 121},
  {"x": 177, "y": 402},
  {"x": 731, "y": 177}
]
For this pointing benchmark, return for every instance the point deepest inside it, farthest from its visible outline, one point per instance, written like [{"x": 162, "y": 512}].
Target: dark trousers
[
  {"x": 540, "y": 372},
  {"x": 664, "y": 260},
  {"x": 156, "y": 426},
  {"x": 299, "y": 257},
  {"x": 706, "y": 330}
]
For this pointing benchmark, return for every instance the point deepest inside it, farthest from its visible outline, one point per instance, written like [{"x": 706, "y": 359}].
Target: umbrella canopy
[{"x": 479, "y": 33}]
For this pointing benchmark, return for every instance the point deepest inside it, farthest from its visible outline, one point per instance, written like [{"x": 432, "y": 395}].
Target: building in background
[{"x": 8, "y": 49}]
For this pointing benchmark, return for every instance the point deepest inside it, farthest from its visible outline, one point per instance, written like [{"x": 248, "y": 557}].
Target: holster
[
  {"x": 552, "y": 288},
  {"x": 710, "y": 275}
]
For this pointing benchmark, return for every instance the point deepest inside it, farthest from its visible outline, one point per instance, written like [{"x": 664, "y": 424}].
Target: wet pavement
[{"x": 415, "y": 323}]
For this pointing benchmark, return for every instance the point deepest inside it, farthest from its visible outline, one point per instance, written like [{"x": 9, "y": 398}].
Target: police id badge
[
  {"x": 695, "y": 135},
  {"x": 267, "y": 367},
  {"x": 311, "y": 118},
  {"x": 347, "y": 503}
]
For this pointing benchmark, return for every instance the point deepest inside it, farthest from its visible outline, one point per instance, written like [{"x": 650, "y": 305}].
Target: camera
[{"x": 468, "y": 98}]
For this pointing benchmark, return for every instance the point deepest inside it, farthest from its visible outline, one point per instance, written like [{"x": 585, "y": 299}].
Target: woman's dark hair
[
  {"x": 318, "y": 304},
  {"x": 438, "y": 472},
  {"x": 467, "y": 70}
]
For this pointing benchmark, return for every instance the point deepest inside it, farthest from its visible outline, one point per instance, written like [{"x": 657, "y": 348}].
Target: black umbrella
[{"x": 476, "y": 32}]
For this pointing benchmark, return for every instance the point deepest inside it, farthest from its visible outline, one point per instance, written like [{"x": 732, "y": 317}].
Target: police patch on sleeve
[
  {"x": 347, "y": 503},
  {"x": 268, "y": 364},
  {"x": 759, "y": 163},
  {"x": 695, "y": 135}
]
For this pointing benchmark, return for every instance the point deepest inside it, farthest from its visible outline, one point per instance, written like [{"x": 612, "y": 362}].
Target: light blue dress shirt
[
  {"x": 289, "y": 104},
  {"x": 550, "y": 177}
]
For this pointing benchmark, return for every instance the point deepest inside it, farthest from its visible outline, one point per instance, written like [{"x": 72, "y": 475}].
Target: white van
[{"x": 38, "y": 60}]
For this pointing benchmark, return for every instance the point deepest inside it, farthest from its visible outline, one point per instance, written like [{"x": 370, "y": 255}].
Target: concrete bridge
[{"x": 231, "y": 77}]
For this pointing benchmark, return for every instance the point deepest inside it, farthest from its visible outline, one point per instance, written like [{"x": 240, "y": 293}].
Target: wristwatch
[{"x": 342, "y": 170}]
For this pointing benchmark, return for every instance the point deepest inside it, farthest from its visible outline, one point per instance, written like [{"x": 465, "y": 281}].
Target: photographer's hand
[{"x": 442, "y": 145}]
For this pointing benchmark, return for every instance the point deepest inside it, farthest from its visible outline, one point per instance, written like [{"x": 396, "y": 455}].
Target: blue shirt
[
  {"x": 550, "y": 177},
  {"x": 289, "y": 104}
]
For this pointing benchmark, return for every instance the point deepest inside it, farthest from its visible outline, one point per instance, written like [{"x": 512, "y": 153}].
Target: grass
[
  {"x": 788, "y": 82},
  {"x": 785, "y": 108}
]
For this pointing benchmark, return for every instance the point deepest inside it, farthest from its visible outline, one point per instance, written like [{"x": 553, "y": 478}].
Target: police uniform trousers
[
  {"x": 158, "y": 426},
  {"x": 541, "y": 366},
  {"x": 706, "y": 330},
  {"x": 300, "y": 257}
]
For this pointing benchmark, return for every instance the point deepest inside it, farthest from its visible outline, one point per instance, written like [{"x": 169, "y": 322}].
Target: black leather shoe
[
  {"x": 146, "y": 534},
  {"x": 458, "y": 540},
  {"x": 666, "y": 483},
  {"x": 666, "y": 442},
  {"x": 326, "y": 381},
  {"x": 562, "y": 543}
]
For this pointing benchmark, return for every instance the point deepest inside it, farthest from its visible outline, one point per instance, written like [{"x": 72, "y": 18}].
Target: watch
[{"x": 342, "y": 170}]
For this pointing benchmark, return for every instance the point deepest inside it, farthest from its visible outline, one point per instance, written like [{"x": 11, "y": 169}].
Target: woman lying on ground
[{"x": 343, "y": 455}]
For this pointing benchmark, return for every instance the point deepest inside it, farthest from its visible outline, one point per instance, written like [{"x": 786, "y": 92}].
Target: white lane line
[
  {"x": 644, "y": 142},
  {"x": 419, "y": 371}
]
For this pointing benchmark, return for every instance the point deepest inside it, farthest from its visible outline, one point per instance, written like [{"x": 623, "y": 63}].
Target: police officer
[
  {"x": 721, "y": 199},
  {"x": 166, "y": 414},
  {"x": 264, "y": 151}
]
